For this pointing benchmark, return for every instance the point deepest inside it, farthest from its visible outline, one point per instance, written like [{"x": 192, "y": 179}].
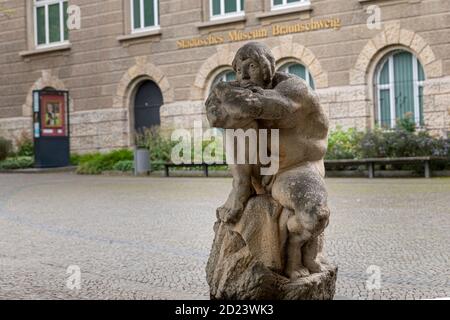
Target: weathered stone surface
[
  {"x": 246, "y": 260},
  {"x": 270, "y": 246}
]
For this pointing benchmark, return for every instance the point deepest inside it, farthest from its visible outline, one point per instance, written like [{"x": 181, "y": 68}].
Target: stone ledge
[
  {"x": 213, "y": 23},
  {"x": 42, "y": 170},
  {"x": 139, "y": 35},
  {"x": 367, "y": 1},
  {"x": 62, "y": 47},
  {"x": 278, "y": 12}
]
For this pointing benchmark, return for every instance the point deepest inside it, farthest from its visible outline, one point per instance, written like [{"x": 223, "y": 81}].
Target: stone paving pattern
[{"x": 149, "y": 238}]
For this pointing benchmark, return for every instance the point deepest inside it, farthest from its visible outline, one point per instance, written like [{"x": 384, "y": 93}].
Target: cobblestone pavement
[{"x": 149, "y": 238}]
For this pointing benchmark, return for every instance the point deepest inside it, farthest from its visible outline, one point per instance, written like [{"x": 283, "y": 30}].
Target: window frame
[
  {"x": 238, "y": 13},
  {"x": 143, "y": 28},
  {"x": 417, "y": 84},
  {"x": 46, "y": 3},
  {"x": 286, "y": 5}
]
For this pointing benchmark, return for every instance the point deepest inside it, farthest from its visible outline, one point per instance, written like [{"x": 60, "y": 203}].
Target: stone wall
[
  {"x": 99, "y": 130},
  {"x": 347, "y": 106},
  {"x": 12, "y": 128},
  {"x": 183, "y": 115},
  {"x": 437, "y": 105}
]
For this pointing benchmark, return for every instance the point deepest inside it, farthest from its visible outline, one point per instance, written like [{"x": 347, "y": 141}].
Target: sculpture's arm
[
  {"x": 288, "y": 97},
  {"x": 229, "y": 105}
]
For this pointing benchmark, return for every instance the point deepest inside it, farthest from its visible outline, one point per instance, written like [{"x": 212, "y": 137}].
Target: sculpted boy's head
[{"x": 254, "y": 65}]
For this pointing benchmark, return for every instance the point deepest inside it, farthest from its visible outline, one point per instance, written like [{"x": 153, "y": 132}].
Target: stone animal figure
[{"x": 261, "y": 98}]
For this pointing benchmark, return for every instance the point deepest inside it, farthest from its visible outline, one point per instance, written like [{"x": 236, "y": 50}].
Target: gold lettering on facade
[
  {"x": 242, "y": 36},
  {"x": 200, "y": 42},
  {"x": 277, "y": 30}
]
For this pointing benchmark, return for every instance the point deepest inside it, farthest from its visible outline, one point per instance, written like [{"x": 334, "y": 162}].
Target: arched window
[
  {"x": 399, "y": 81},
  {"x": 227, "y": 75},
  {"x": 299, "y": 70}
]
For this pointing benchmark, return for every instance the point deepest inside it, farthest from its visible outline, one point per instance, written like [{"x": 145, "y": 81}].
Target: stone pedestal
[{"x": 247, "y": 259}]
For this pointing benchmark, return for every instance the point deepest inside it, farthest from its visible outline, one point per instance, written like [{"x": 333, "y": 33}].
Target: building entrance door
[{"x": 147, "y": 103}]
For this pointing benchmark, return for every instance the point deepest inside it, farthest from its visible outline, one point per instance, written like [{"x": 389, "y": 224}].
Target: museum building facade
[{"x": 129, "y": 64}]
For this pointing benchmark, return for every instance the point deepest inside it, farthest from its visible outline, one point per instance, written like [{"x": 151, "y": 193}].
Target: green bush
[
  {"x": 17, "y": 163},
  {"x": 25, "y": 146},
  {"x": 75, "y": 159},
  {"x": 344, "y": 144},
  {"x": 407, "y": 123},
  {"x": 159, "y": 146},
  {"x": 378, "y": 143},
  {"x": 124, "y": 166},
  {"x": 402, "y": 143},
  {"x": 5, "y": 148},
  {"x": 96, "y": 163}
]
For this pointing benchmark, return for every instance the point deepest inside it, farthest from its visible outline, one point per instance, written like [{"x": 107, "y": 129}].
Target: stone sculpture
[{"x": 269, "y": 234}]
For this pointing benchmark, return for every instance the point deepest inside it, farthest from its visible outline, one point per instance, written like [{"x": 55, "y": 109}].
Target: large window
[
  {"x": 399, "y": 89},
  {"x": 144, "y": 15},
  {"x": 226, "y": 8},
  {"x": 50, "y": 18},
  {"x": 285, "y": 4},
  {"x": 300, "y": 71}
]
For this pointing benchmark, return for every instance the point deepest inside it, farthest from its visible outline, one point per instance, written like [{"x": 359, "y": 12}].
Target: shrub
[
  {"x": 25, "y": 145},
  {"x": 373, "y": 144},
  {"x": 344, "y": 144},
  {"x": 5, "y": 148},
  {"x": 124, "y": 166},
  {"x": 96, "y": 163},
  {"x": 75, "y": 159},
  {"x": 17, "y": 163},
  {"x": 402, "y": 143},
  {"x": 90, "y": 167},
  {"x": 378, "y": 143},
  {"x": 159, "y": 146},
  {"x": 407, "y": 123}
]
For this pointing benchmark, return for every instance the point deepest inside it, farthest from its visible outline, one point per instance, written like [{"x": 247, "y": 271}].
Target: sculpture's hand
[
  {"x": 247, "y": 102},
  {"x": 257, "y": 89},
  {"x": 214, "y": 110},
  {"x": 221, "y": 110},
  {"x": 233, "y": 106}
]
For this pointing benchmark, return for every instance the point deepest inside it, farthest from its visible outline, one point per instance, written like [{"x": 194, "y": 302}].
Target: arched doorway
[{"x": 147, "y": 103}]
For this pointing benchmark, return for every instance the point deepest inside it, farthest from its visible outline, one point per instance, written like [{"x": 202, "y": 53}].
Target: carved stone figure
[{"x": 269, "y": 234}]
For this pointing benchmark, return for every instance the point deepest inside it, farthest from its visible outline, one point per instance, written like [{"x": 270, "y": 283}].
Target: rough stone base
[{"x": 245, "y": 261}]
